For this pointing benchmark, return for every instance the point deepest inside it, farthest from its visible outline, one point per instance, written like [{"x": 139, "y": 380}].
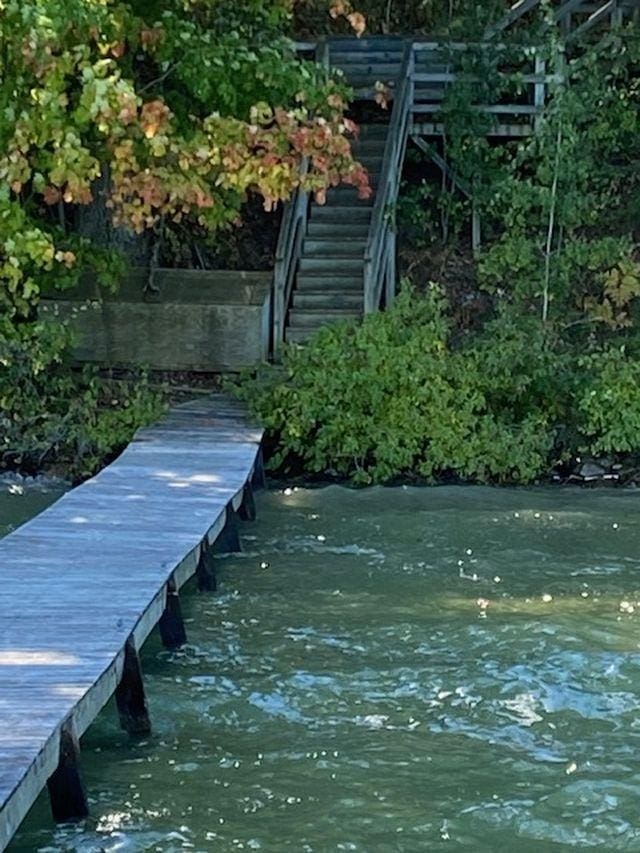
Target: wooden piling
[
  {"x": 130, "y": 695},
  {"x": 66, "y": 790},
  {"x": 247, "y": 511},
  {"x": 206, "y": 570},
  {"x": 172, "y": 630},
  {"x": 259, "y": 478},
  {"x": 229, "y": 540}
]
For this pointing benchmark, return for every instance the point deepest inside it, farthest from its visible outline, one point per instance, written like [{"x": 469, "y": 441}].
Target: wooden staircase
[
  {"x": 574, "y": 17},
  {"x": 337, "y": 261},
  {"x": 330, "y": 280},
  {"x": 345, "y": 262}
]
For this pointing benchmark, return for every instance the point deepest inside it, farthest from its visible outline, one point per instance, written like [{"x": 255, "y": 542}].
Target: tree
[{"x": 180, "y": 109}]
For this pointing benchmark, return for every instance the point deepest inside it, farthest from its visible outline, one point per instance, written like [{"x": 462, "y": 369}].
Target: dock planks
[{"x": 84, "y": 583}]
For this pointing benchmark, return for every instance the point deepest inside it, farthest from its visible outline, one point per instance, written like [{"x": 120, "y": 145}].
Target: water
[
  {"x": 23, "y": 497},
  {"x": 451, "y": 669}
]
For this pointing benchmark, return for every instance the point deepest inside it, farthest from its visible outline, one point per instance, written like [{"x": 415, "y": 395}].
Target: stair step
[
  {"x": 340, "y": 214},
  {"x": 338, "y": 230},
  {"x": 429, "y": 93},
  {"x": 373, "y": 174},
  {"x": 370, "y": 146},
  {"x": 356, "y": 70},
  {"x": 327, "y": 300},
  {"x": 373, "y": 131},
  {"x": 333, "y": 248},
  {"x": 297, "y": 336},
  {"x": 368, "y": 82},
  {"x": 329, "y": 265},
  {"x": 373, "y": 167},
  {"x": 340, "y": 58},
  {"x": 347, "y": 195},
  {"x": 310, "y": 318},
  {"x": 329, "y": 282},
  {"x": 355, "y": 44},
  {"x": 433, "y": 62}
]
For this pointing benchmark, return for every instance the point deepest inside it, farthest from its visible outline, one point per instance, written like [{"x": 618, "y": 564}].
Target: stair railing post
[
  {"x": 323, "y": 56},
  {"x": 617, "y": 16},
  {"x": 390, "y": 285},
  {"x": 283, "y": 259},
  {"x": 539, "y": 89},
  {"x": 369, "y": 306},
  {"x": 412, "y": 88}
]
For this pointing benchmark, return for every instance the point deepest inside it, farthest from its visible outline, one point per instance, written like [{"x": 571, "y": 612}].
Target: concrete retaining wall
[{"x": 214, "y": 321}]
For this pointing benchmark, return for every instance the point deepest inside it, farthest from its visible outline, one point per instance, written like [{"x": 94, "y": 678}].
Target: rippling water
[
  {"x": 23, "y": 497},
  {"x": 391, "y": 670}
]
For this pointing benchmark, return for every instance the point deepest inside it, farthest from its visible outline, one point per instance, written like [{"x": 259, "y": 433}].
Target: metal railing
[
  {"x": 525, "y": 109},
  {"x": 379, "y": 256},
  {"x": 292, "y": 231},
  {"x": 293, "y": 227},
  {"x": 613, "y": 10}
]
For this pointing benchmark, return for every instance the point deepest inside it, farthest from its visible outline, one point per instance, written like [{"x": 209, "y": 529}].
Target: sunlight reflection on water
[{"x": 391, "y": 669}]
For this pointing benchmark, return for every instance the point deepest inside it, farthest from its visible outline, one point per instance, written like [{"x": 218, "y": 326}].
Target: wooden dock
[{"x": 85, "y": 582}]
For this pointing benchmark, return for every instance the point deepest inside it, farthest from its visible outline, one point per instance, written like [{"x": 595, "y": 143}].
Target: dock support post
[
  {"x": 130, "y": 696},
  {"x": 171, "y": 624},
  {"x": 229, "y": 540},
  {"x": 66, "y": 791},
  {"x": 258, "y": 479},
  {"x": 206, "y": 570},
  {"x": 247, "y": 509}
]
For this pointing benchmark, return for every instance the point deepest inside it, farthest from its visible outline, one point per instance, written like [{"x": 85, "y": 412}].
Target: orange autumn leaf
[
  {"x": 51, "y": 195},
  {"x": 339, "y": 9},
  {"x": 154, "y": 117},
  {"x": 358, "y": 22},
  {"x": 151, "y": 36}
]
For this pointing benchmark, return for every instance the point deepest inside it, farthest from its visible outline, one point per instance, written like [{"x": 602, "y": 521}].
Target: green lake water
[
  {"x": 452, "y": 669},
  {"x": 21, "y": 498}
]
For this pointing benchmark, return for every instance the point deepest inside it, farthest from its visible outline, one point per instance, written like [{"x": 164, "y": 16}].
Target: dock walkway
[{"x": 83, "y": 584}]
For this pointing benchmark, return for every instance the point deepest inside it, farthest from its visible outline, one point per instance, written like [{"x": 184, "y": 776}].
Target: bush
[
  {"x": 608, "y": 402},
  {"x": 51, "y": 415},
  {"x": 403, "y": 395},
  {"x": 393, "y": 397}
]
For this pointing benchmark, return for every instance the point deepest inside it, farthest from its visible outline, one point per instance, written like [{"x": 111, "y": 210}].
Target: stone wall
[{"x": 210, "y": 320}]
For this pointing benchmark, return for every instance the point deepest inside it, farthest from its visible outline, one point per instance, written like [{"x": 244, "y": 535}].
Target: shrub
[
  {"x": 393, "y": 397},
  {"x": 52, "y": 415},
  {"x": 608, "y": 402}
]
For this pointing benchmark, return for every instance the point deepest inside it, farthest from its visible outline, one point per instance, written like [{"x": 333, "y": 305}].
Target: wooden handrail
[
  {"x": 514, "y": 14},
  {"x": 292, "y": 231},
  {"x": 560, "y": 16},
  {"x": 609, "y": 9},
  {"x": 380, "y": 242},
  {"x": 293, "y": 227}
]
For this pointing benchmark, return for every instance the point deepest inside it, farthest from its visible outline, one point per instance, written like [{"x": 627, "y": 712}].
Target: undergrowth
[{"x": 404, "y": 395}]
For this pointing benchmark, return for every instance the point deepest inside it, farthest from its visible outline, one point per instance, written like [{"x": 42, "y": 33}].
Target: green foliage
[
  {"x": 458, "y": 18},
  {"x": 428, "y": 215},
  {"x": 394, "y": 397},
  {"x": 552, "y": 370},
  {"x": 50, "y": 414},
  {"x": 404, "y": 396},
  {"x": 558, "y": 207},
  {"x": 608, "y": 402},
  {"x": 164, "y": 113}
]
